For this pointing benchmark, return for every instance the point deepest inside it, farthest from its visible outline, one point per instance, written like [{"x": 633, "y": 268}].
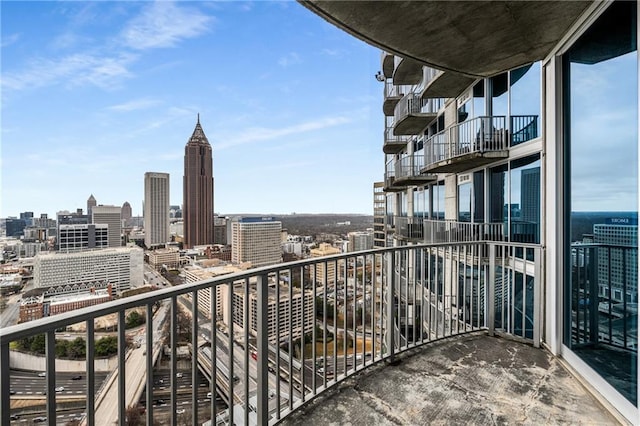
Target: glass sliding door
[{"x": 600, "y": 79}]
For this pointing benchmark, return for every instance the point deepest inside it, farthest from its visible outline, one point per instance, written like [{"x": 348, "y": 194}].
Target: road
[
  {"x": 135, "y": 370},
  {"x": 11, "y": 312}
]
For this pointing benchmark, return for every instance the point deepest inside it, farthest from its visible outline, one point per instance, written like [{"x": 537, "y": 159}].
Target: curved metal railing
[{"x": 284, "y": 334}]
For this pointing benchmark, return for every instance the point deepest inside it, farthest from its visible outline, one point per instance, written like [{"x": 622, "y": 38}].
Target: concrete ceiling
[{"x": 476, "y": 38}]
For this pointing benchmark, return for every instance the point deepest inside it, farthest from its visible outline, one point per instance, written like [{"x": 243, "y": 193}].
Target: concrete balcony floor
[{"x": 472, "y": 379}]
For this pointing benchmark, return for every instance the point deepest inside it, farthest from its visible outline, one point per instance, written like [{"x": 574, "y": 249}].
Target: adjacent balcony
[
  {"x": 393, "y": 144},
  {"x": 450, "y": 231},
  {"x": 390, "y": 184},
  {"x": 419, "y": 318},
  {"x": 392, "y": 95},
  {"x": 409, "y": 115},
  {"x": 444, "y": 84},
  {"x": 407, "y": 171},
  {"x": 407, "y": 71},
  {"x": 477, "y": 142},
  {"x": 388, "y": 63}
]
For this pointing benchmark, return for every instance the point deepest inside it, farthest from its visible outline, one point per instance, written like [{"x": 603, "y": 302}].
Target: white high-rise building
[
  {"x": 121, "y": 267},
  {"x": 156, "y": 209},
  {"x": 110, "y": 215},
  {"x": 256, "y": 240}
]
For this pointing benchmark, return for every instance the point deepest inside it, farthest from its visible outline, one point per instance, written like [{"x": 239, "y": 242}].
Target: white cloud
[
  {"x": 9, "y": 40},
  {"x": 261, "y": 133},
  {"x": 289, "y": 59},
  {"x": 135, "y": 105},
  {"x": 163, "y": 24},
  {"x": 333, "y": 52},
  {"x": 76, "y": 70}
]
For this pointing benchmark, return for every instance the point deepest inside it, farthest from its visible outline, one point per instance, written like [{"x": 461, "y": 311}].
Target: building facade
[
  {"x": 121, "y": 267},
  {"x": 328, "y": 271},
  {"x": 82, "y": 237},
  {"x": 198, "y": 190},
  {"x": 109, "y": 215},
  {"x": 360, "y": 240},
  {"x": 127, "y": 214},
  {"x": 164, "y": 257},
  {"x": 256, "y": 240},
  {"x": 156, "y": 209}
]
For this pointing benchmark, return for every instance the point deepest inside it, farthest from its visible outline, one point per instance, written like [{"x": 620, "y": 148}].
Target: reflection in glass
[{"x": 601, "y": 256}]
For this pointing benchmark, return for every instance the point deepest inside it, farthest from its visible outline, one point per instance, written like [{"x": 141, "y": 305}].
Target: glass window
[
  {"x": 525, "y": 103},
  {"x": 464, "y": 202},
  {"x": 498, "y": 190},
  {"x": 600, "y": 77},
  {"x": 438, "y": 200},
  {"x": 525, "y": 200}
]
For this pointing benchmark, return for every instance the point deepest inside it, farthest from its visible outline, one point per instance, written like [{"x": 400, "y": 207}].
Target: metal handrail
[
  {"x": 367, "y": 284},
  {"x": 411, "y": 103}
]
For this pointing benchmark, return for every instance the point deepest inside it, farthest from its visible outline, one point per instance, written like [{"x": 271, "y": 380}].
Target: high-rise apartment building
[
  {"x": 256, "y": 240},
  {"x": 156, "y": 209},
  {"x": 379, "y": 234},
  {"x": 121, "y": 267},
  {"x": 91, "y": 203},
  {"x": 198, "y": 190},
  {"x": 82, "y": 237},
  {"x": 360, "y": 240},
  {"x": 109, "y": 215},
  {"x": 322, "y": 271}
]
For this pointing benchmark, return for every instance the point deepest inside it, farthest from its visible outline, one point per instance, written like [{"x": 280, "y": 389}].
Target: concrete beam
[{"x": 476, "y": 38}]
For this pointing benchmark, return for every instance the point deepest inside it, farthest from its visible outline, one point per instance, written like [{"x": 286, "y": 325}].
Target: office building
[
  {"x": 360, "y": 240},
  {"x": 220, "y": 230},
  {"x": 126, "y": 214},
  {"x": 256, "y": 240},
  {"x": 156, "y": 209},
  {"x": 109, "y": 215},
  {"x": 617, "y": 259},
  {"x": 14, "y": 227},
  {"x": 121, "y": 267},
  {"x": 168, "y": 258},
  {"x": 328, "y": 271},
  {"x": 91, "y": 203},
  {"x": 198, "y": 190},
  {"x": 82, "y": 237}
]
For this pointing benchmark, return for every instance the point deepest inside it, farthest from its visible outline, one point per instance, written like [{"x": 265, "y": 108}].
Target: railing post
[
  {"x": 263, "y": 349},
  {"x": 5, "y": 398},
  {"x": 537, "y": 296},
  {"x": 391, "y": 306},
  {"x": 122, "y": 349},
  {"x": 50, "y": 350},
  {"x": 491, "y": 290}
]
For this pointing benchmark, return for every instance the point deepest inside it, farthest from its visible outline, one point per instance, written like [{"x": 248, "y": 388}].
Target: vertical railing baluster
[
  {"x": 213, "y": 409},
  {"x": 438, "y": 275},
  {"x": 290, "y": 333},
  {"x": 537, "y": 296},
  {"x": 122, "y": 349},
  {"x": 374, "y": 293},
  {"x": 325, "y": 333},
  {"x": 491, "y": 287},
  {"x": 90, "y": 388},
  {"x": 354, "y": 350},
  {"x": 345, "y": 265},
  {"x": 5, "y": 384},
  {"x": 276, "y": 348},
  {"x": 194, "y": 357},
  {"x": 391, "y": 309},
  {"x": 303, "y": 331},
  {"x": 50, "y": 359},
  {"x": 246, "y": 320},
  {"x": 174, "y": 359},
  {"x": 149, "y": 362},
  {"x": 230, "y": 355},
  {"x": 263, "y": 348},
  {"x": 314, "y": 337}
]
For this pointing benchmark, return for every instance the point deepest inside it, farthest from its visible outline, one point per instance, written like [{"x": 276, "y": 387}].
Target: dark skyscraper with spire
[{"x": 198, "y": 190}]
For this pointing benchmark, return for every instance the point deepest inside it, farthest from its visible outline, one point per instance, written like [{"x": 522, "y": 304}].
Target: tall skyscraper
[
  {"x": 156, "y": 209},
  {"x": 91, "y": 203},
  {"x": 198, "y": 190},
  {"x": 126, "y": 214},
  {"x": 110, "y": 215}
]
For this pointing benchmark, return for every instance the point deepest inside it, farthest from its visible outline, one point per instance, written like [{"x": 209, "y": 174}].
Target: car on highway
[
  {"x": 12, "y": 392},
  {"x": 181, "y": 411},
  {"x": 42, "y": 374},
  {"x": 40, "y": 419},
  {"x": 59, "y": 389},
  {"x": 209, "y": 395},
  {"x": 76, "y": 378},
  {"x": 179, "y": 375},
  {"x": 160, "y": 401}
]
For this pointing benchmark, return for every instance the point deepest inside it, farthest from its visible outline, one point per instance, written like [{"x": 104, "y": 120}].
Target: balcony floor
[{"x": 470, "y": 379}]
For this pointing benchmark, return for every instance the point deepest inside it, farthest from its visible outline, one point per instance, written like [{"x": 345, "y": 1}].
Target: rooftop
[{"x": 468, "y": 379}]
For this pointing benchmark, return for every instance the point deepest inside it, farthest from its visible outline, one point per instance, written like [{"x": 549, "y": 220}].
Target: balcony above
[
  {"x": 390, "y": 184},
  {"x": 387, "y": 64},
  {"x": 466, "y": 145},
  {"x": 469, "y": 379},
  {"x": 392, "y": 95},
  {"x": 407, "y": 71},
  {"x": 476, "y": 38},
  {"x": 393, "y": 144},
  {"x": 409, "y": 117},
  {"x": 446, "y": 84}
]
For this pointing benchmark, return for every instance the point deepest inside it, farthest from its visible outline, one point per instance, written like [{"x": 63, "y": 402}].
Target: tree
[
  {"x": 133, "y": 416},
  {"x": 38, "y": 344},
  {"x": 77, "y": 348},
  {"x": 106, "y": 346},
  {"x": 134, "y": 319}
]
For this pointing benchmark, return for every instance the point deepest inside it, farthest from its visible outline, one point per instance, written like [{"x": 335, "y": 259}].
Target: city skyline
[{"x": 115, "y": 88}]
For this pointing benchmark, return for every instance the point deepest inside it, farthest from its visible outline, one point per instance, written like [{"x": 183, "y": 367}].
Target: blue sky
[{"x": 95, "y": 94}]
